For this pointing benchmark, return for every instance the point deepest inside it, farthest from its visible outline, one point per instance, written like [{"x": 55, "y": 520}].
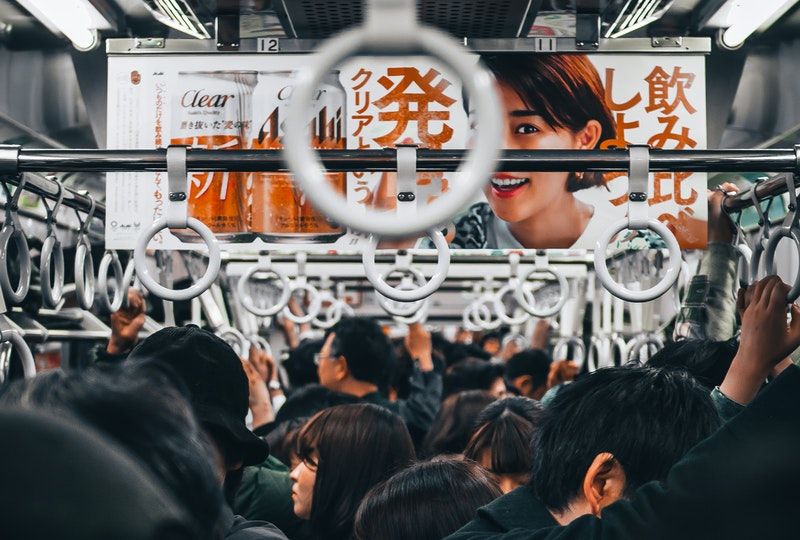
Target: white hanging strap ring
[
  {"x": 481, "y": 313},
  {"x": 561, "y": 348},
  {"x": 761, "y": 241},
  {"x": 542, "y": 265},
  {"x": 261, "y": 343},
  {"x": 24, "y": 352},
  {"x": 110, "y": 261},
  {"x": 789, "y": 229},
  {"x": 301, "y": 284},
  {"x": 84, "y": 262},
  {"x": 513, "y": 286},
  {"x": 436, "y": 280},
  {"x": 52, "y": 255},
  {"x": 411, "y": 279},
  {"x": 598, "y": 348},
  {"x": 177, "y": 217},
  {"x": 264, "y": 266},
  {"x": 391, "y": 28},
  {"x": 236, "y": 340},
  {"x": 638, "y": 219},
  {"x": 642, "y": 345},
  {"x": 12, "y": 231}
]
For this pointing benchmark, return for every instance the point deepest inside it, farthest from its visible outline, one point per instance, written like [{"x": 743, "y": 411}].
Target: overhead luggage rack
[{"x": 320, "y": 19}]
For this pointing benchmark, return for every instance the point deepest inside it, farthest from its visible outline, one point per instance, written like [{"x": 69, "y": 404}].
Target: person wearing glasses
[{"x": 357, "y": 358}]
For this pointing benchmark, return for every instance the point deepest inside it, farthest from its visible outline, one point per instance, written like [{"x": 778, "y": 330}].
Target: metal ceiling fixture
[{"x": 180, "y": 15}]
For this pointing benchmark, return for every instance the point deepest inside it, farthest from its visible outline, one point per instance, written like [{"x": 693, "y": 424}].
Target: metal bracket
[
  {"x": 588, "y": 24},
  {"x": 666, "y": 42},
  {"x": 226, "y": 25},
  {"x": 9, "y": 159},
  {"x": 149, "y": 43}
]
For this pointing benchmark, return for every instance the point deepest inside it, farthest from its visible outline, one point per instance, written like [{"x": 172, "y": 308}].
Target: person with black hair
[
  {"x": 148, "y": 417},
  {"x": 474, "y": 374},
  {"x": 219, "y": 392},
  {"x": 718, "y": 490},
  {"x": 441, "y": 495},
  {"x": 706, "y": 360},
  {"x": 343, "y": 452},
  {"x": 491, "y": 342},
  {"x": 602, "y": 437},
  {"x": 501, "y": 440},
  {"x": 528, "y": 371},
  {"x": 357, "y": 358},
  {"x": 300, "y": 367},
  {"x": 457, "y": 352},
  {"x": 453, "y": 424}
]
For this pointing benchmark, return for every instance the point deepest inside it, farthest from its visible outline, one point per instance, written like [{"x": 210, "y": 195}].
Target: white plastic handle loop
[
  {"x": 466, "y": 318},
  {"x": 236, "y": 340},
  {"x": 331, "y": 313},
  {"x": 760, "y": 241},
  {"x": 261, "y": 343},
  {"x": 301, "y": 284},
  {"x": 52, "y": 256},
  {"x": 110, "y": 261},
  {"x": 390, "y": 28},
  {"x": 435, "y": 281},
  {"x": 598, "y": 348},
  {"x": 24, "y": 352},
  {"x": 561, "y": 348},
  {"x": 411, "y": 280},
  {"x": 481, "y": 313},
  {"x": 639, "y": 350},
  {"x": 513, "y": 286},
  {"x": 84, "y": 262},
  {"x": 638, "y": 219},
  {"x": 743, "y": 251},
  {"x": 789, "y": 229},
  {"x": 12, "y": 232},
  {"x": 542, "y": 264},
  {"x": 264, "y": 266},
  {"x": 177, "y": 216}
]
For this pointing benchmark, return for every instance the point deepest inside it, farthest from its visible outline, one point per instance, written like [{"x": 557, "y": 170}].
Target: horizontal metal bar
[
  {"x": 765, "y": 189},
  {"x": 48, "y": 188},
  {"x": 160, "y": 46},
  {"x": 740, "y": 161}
]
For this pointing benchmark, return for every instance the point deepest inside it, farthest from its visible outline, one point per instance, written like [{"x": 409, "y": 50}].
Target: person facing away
[
  {"x": 501, "y": 440},
  {"x": 426, "y": 501},
  {"x": 454, "y": 422},
  {"x": 527, "y": 372},
  {"x": 218, "y": 391},
  {"x": 356, "y": 358},
  {"x": 342, "y": 453},
  {"x": 601, "y": 438}
]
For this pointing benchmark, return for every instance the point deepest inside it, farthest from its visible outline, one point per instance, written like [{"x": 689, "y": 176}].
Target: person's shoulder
[
  {"x": 471, "y": 227},
  {"x": 244, "y": 529}
]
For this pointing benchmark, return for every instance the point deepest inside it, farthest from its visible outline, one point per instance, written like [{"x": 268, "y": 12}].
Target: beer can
[
  {"x": 213, "y": 110},
  {"x": 280, "y": 212}
]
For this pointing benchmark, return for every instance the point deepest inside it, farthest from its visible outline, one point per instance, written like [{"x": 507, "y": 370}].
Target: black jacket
[
  {"x": 740, "y": 483},
  {"x": 519, "y": 509}
]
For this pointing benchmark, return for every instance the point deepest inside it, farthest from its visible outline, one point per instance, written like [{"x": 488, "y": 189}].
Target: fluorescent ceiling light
[
  {"x": 741, "y": 18},
  {"x": 77, "y": 20}
]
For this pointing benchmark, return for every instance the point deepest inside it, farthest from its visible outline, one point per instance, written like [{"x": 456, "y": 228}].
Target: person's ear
[
  {"x": 340, "y": 369},
  {"x": 604, "y": 482},
  {"x": 589, "y": 136},
  {"x": 523, "y": 383}
]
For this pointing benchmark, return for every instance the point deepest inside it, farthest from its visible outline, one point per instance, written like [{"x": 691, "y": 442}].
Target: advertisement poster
[{"x": 549, "y": 102}]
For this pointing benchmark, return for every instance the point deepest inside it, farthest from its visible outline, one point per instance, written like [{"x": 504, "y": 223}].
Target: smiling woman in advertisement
[{"x": 551, "y": 102}]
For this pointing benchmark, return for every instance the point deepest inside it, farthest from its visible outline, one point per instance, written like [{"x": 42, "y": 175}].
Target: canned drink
[
  {"x": 213, "y": 110},
  {"x": 280, "y": 212}
]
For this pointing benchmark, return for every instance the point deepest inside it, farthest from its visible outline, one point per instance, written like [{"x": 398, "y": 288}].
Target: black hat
[
  {"x": 61, "y": 479},
  {"x": 215, "y": 379}
]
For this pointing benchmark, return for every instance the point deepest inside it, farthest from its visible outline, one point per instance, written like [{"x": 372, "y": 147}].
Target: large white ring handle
[
  {"x": 177, "y": 295},
  {"x": 436, "y": 280},
  {"x": 563, "y": 344},
  {"x": 25, "y": 355},
  {"x": 513, "y": 287},
  {"x": 420, "y": 316},
  {"x": 264, "y": 266},
  {"x": 402, "y": 309},
  {"x": 314, "y": 304},
  {"x": 52, "y": 255},
  {"x": 772, "y": 245},
  {"x": 84, "y": 273},
  {"x": 111, "y": 261},
  {"x": 402, "y": 36},
  {"x": 563, "y": 293},
  {"x": 11, "y": 233},
  {"x": 630, "y": 295}
]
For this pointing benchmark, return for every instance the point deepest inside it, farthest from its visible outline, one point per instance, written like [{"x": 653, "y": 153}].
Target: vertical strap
[
  {"x": 638, "y": 176},
  {"x": 178, "y": 184}
]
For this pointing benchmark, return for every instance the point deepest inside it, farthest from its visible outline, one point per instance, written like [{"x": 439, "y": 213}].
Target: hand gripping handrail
[
  {"x": 391, "y": 28},
  {"x": 406, "y": 187},
  {"x": 84, "y": 262},
  {"x": 52, "y": 255},
  {"x": 263, "y": 266},
  {"x": 300, "y": 283},
  {"x": 789, "y": 229},
  {"x": 177, "y": 217},
  {"x": 542, "y": 264},
  {"x": 12, "y": 231},
  {"x": 638, "y": 219}
]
